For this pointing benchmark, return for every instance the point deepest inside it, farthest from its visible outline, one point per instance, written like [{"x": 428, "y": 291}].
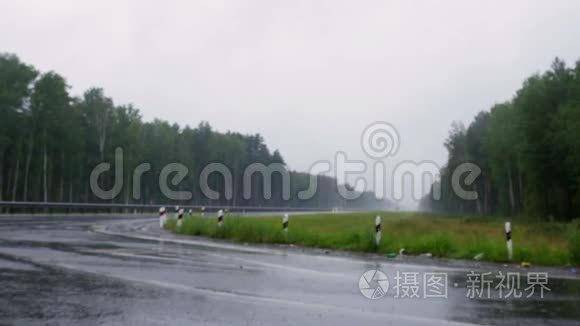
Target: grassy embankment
[{"x": 538, "y": 243}]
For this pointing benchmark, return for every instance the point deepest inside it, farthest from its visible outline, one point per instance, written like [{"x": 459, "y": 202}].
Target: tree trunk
[
  {"x": 15, "y": 185},
  {"x": 44, "y": 169},
  {"x": 234, "y": 187},
  {"x": 511, "y": 190},
  {"x": 1, "y": 172},
  {"x": 485, "y": 197},
  {"x": 478, "y": 206},
  {"x": 10, "y": 179},
  {"x": 521, "y": 186},
  {"x": 127, "y": 188},
  {"x": 86, "y": 199},
  {"x": 27, "y": 168},
  {"x": 102, "y": 129},
  {"x": 62, "y": 157}
]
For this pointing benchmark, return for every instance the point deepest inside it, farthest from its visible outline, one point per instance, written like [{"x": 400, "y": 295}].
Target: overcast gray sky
[{"x": 307, "y": 75}]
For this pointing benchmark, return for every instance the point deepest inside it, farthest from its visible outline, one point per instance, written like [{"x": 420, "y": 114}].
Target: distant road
[{"x": 122, "y": 270}]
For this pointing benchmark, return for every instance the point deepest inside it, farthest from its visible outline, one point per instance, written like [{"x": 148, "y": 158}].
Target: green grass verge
[{"x": 538, "y": 243}]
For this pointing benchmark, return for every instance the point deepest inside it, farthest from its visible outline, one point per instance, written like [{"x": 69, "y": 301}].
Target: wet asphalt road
[{"x": 125, "y": 271}]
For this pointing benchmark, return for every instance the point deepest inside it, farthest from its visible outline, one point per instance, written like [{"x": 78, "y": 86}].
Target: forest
[
  {"x": 528, "y": 149},
  {"x": 51, "y": 140}
]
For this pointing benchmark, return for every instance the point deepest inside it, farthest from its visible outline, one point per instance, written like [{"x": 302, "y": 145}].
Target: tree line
[
  {"x": 528, "y": 149},
  {"x": 50, "y": 141}
]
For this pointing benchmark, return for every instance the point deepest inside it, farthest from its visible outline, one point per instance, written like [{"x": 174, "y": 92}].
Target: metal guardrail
[{"x": 25, "y": 206}]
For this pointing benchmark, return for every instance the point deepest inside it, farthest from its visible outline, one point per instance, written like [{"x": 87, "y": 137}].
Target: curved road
[{"x": 124, "y": 270}]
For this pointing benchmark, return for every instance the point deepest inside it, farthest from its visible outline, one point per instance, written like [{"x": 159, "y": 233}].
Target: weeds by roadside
[{"x": 463, "y": 238}]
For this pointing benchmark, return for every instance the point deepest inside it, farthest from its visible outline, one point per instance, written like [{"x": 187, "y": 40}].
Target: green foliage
[
  {"x": 528, "y": 150},
  {"x": 464, "y": 238},
  {"x": 15, "y": 78},
  {"x": 574, "y": 242},
  {"x": 50, "y": 142}
]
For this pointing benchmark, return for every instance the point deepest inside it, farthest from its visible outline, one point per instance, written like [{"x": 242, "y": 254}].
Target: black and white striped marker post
[
  {"x": 180, "y": 218},
  {"x": 162, "y": 217},
  {"x": 190, "y": 212},
  {"x": 508, "y": 235},
  {"x": 202, "y": 210},
  {"x": 176, "y": 211},
  {"x": 285, "y": 225},
  {"x": 378, "y": 231},
  {"x": 220, "y": 218}
]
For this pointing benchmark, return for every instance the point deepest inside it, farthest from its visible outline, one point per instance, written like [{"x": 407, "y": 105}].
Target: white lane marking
[
  {"x": 242, "y": 249},
  {"x": 243, "y": 298},
  {"x": 173, "y": 259},
  {"x": 250, "y": 262},
  {"x": 288, "y": 268},
  {"x": 103, "y": 230}
]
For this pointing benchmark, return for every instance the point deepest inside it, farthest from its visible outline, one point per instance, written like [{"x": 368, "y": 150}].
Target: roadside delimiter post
[
  {"x": 285, "y": 225},
  {"x": 508, "y": 235},
  {"x": 162, "y": 217},
  {"x": 378, "y": 231},
  {"x": 220, "y": 218},
  {"x": 180, "y": 218}
]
